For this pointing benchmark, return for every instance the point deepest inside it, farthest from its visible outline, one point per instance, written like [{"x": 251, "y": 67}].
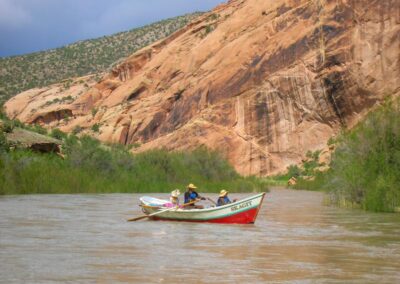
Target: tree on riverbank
[{"x": 365, "y": 168}]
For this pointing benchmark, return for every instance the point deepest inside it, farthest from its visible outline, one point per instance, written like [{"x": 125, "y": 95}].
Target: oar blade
[{"x": 137, "y": 218}]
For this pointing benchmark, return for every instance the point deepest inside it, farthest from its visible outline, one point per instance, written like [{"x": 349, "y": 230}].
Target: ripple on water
[{"x": 46, "y": 238}]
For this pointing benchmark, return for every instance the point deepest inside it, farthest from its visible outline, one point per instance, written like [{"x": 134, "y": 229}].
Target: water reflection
[{"x": 85, "y": 238}]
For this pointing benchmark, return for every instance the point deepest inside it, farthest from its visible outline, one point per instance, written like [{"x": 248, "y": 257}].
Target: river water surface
[{"x": 85, "y": 238}]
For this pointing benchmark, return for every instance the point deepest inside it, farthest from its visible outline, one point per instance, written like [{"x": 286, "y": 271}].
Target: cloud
[{"x": 12, "y": 15}]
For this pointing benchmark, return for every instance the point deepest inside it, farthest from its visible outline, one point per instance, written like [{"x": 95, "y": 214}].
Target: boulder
[
  {"x": 321, "y": 169},
  {"x": 22, "y": 138},
  {"x": 292, "y": 181}
]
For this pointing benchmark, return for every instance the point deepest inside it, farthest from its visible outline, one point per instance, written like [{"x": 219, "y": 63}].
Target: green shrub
[
  {"x": 366, "y": 164},
  {"x": 39, "y": 129},
  {"x": 2, "y": 114},
  {"x": 3, "y": 143},
  {"x": 331, "y": 141},
  {"x": 213, "y": 17},
  {"x": 67, "y": 98},
  {"x": 77, "y": 129},
  {"x": 96, "y": 127},
  {"x": 18, "y": 123},
  {"x": 90, "y": 167},
  {"x": 208, "y": 29},
  {"x": 58, "y": 134},
  {"x": 293, "y": 171},
  {"x": 94, "y": 111},
  {"x": 8, "y": 126}
]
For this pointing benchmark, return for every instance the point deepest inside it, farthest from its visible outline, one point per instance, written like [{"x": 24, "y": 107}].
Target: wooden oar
[
  {"x": 159, "y": 212},
  {"x": 209, "y": 199},
  {"x": 152, "y": 214}
]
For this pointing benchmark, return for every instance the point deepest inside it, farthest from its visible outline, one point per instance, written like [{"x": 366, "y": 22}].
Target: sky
[{"x": 32, "y": 25}]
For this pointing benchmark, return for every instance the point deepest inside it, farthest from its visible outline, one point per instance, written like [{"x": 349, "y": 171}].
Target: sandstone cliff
[{"x": 263, "y": 81}]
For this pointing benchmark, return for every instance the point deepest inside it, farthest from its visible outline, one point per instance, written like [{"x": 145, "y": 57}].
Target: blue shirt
[
  {"x": 190, "y": 196},
  {"x": 223, "y": 200}
]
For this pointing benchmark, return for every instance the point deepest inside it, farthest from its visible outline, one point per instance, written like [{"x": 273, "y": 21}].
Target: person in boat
[
  {"x": 223, "y": 198},
  {"x": 174, "y": 199},
  {"x": 191, "y": 195}
]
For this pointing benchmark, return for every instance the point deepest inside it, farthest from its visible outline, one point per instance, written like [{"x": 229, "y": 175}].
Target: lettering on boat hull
[{"x": 240, "y": 206}]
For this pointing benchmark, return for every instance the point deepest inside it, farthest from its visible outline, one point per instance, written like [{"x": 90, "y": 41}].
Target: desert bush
[
  {"x": 4, "y": 147},
  {"x": 366, "y": 164},
  {"x": 96, "y": 127},
  {"x": 91, "y": 167},
  {"x": 58, "y": 134}
]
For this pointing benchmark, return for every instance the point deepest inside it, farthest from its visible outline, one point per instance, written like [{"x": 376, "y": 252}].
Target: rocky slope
[
  {"x": 263, "y": 81},
  {"x": 20, "y": 73}
]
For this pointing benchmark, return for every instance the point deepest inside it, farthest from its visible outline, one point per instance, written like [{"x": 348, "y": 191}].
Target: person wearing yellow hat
[
  {"x": 223, "y": 198},
  {"x": 192, "y": 195}
]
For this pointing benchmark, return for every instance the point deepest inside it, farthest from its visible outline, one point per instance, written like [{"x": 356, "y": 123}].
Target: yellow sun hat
[
  {"x": 175, "y": 193},
  {"x": 223, "y": 193},
  {"x": 191, "y": 186}
]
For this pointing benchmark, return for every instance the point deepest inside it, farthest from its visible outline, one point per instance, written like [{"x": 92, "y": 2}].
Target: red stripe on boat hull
[{"x": 245, "y": 217}]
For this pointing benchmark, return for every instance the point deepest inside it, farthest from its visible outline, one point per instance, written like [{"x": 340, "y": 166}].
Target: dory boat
[{"x": 244, "y": 211}]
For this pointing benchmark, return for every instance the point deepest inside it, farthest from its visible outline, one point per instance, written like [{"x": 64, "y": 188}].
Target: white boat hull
[{"x": 244, "y": 211}]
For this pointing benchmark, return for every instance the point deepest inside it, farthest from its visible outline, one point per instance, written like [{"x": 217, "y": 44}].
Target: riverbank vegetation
[
  {"x": 365, "y": 167},
  {"x": 310, "y": 170},
  {"x": 89, "y": 166}
]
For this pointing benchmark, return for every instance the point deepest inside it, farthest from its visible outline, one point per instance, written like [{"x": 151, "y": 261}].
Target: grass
[
  {"x": 155, "y": 171},
  {"x": 276, "y": 181},
  {"x": 89, "y": 167}
]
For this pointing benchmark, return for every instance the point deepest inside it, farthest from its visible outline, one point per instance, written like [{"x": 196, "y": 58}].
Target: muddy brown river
[{"x": 85, "y": 239}]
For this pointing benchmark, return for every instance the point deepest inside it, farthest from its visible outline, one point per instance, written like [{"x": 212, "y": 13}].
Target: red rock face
[{"x": 261, "y": 81}]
